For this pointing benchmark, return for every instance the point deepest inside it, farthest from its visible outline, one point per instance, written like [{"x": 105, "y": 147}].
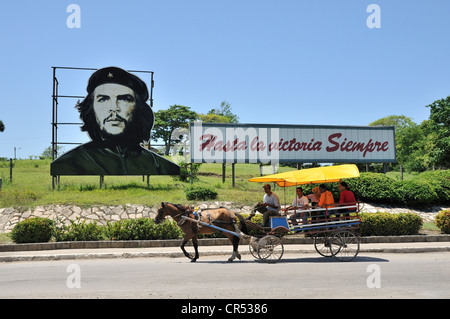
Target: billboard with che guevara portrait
[{"x": 118, "y": 119}]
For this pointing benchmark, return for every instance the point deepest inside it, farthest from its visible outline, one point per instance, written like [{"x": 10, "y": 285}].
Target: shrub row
[
  {"x": 142, "y": 229},
  {"x": 427, "y": 188},
  {"x": 385, "y": 224},
  {"x": 37, "y": 230}
]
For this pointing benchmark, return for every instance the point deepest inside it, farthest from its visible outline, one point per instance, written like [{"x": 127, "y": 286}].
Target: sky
[{"x": 323, "y": 62}]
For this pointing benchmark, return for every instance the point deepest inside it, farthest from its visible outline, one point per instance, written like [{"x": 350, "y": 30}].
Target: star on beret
[{"x": 118, "y": 76}]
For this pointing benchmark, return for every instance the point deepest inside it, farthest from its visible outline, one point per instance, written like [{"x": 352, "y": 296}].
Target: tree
[
  {"x": 413, "y": 149},
  {"x": 440, "y": 125},
  {"x": 47, "y": 153},
  {"x": 213, "y": 118},
  {"x": 167, "y": 121},
  {"x": 222, "y": 115},
  {"x": 2, "y": 126},
  {"x": 405, "y": 131},
  {"x": 398, "y": 121}
]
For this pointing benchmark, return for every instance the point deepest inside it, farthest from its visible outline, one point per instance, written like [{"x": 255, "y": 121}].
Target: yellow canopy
[{"x": 316, "y": 175}]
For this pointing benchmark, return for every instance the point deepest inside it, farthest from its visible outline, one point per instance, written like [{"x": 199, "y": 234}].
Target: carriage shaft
[{"x": 211, "y": 226}]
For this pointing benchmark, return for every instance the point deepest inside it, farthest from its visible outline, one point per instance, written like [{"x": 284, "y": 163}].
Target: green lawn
[{"x": 32, "y": 186}]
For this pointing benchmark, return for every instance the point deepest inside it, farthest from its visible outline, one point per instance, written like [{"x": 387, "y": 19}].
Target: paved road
[{"x": 370, "y": 275}]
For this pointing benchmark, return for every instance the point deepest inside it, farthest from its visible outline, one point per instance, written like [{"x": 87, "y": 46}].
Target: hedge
[
  {"x": 427, "y": 188},
  {"x": 35, "y": 230},
  {"x": 386, "y": 224},
  {"x": 78, "y": 230},
  {"x": 142, "y": 229}
]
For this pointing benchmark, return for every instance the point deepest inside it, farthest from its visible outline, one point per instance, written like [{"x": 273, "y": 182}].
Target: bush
[
  {"x": 385, "y": 224},
  {"x": 185, "y": 171},
  {"x": 167, "y": 230},
  {"x": 415, "y": 192},
  {"x": 142, "y": 229},
  {"x": 79, "y": 230},
  {"x": 439, "y": 181},
  {"x": 424, "y": 189},
  {"x": 32, "y": 230},
  {"x": 200, "y": 193},
  {"x": 257, "y": 219},
  {"x": 442, "y": 220},
  {"x": 373, "y": 187}
]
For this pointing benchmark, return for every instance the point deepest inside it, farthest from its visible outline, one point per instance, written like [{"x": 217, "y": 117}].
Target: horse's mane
[{"x": 180, "y": 207}]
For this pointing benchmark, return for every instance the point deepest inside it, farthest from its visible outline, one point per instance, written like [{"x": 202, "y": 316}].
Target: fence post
[
  {"x": 233, "y": 173},
  {"x": 223, "y": 172},
  {"x": 10, "y": 169}
]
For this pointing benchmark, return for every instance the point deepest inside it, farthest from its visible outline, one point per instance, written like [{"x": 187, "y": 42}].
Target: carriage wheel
[
  {"x": 322, "y": 244},
  {"x": 344, "y": 245},
  {"x": 270, "y": 248},
  {"x": 253, "y": 247}
]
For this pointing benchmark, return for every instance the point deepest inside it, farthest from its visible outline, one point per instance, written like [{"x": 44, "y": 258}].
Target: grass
[
  {"x": 5, "y": 238},
  {"x": 31, "y": 186},
  {"x": 430, "y": 226}
]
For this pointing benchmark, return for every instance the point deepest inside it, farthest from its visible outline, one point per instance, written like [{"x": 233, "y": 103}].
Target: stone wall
[
  {"x": 9, "y": 217},
  {"x": 65, "y": 213}
]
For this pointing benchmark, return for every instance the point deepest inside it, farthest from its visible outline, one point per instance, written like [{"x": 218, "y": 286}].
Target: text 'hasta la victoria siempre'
[{"x": 210, "y": 142}]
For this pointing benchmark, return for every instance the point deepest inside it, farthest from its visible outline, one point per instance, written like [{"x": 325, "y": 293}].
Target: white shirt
[
  {"x": 273, "y": 200},
  {"x": 300, "y": 201}
]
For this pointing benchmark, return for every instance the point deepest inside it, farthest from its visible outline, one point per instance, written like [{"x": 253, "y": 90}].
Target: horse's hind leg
[
  {"x": 194, "y": 241},
  {"x": 184, "y": 250}
]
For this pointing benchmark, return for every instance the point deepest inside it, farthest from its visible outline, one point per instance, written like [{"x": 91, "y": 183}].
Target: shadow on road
[{"x": 358, "y": 259}]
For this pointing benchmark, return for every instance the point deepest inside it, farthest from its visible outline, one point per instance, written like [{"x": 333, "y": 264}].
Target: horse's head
[
  {"x": 161, "y": 213},
  {"x": 172, "y": 210}
]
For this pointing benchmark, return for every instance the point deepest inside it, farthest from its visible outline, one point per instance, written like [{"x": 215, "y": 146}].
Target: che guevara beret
[{"x": 119, "y": 76}]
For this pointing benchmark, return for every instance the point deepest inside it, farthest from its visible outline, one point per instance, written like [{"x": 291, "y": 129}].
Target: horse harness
[{"x": 197, "y": 214}]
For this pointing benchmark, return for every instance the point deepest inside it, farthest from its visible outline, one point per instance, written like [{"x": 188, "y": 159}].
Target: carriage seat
[{"x": 279, "y": 224}]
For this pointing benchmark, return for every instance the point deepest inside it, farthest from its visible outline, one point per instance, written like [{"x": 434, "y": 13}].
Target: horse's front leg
[
  {"x": 185, "y": 241},
  {"x": 235, "y": 241}
]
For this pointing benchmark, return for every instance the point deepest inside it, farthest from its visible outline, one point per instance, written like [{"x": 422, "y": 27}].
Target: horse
[{"x": 220, "y": 217}]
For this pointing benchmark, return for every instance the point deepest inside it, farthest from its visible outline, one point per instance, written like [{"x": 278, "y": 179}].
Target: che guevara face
[{"x": 114, "y": 105}]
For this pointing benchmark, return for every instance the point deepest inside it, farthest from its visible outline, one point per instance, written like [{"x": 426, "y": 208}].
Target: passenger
[
  {"x": 315, "y": 196},
  {"x": 269, "y": 207},
  {"x": 300, "y": 203},
  {"x": 326, "y": 198},
  {"x": 347, "y": 198}
]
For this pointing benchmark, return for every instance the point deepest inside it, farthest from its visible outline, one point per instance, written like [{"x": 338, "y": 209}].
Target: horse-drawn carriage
[
  {"x": 334, "y": 228},
  {"x": 334, "y": 231}
]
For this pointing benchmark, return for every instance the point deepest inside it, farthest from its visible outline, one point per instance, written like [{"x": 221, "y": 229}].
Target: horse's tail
[{"x": 242, "y": 225}]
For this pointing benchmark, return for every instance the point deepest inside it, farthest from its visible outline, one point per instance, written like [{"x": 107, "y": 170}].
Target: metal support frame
[{"x": 56, "y": 96}]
